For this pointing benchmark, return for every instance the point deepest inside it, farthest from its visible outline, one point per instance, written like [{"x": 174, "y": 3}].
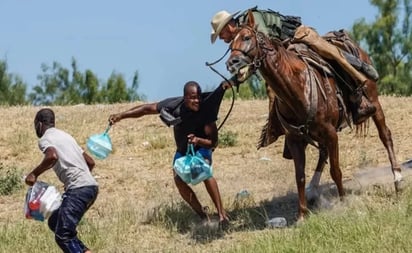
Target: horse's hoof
[
  {"x": 312, "y": 195},
  {"x": 399, "y": 186}
]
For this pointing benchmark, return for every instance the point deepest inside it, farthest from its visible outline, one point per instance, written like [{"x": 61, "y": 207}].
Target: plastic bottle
[
  {"x": 277, "y": 222},
  {"x": 35, "y": 203},
  {"x": 196, "y": 170},
  {"x": 242, "y": 194},
  {"x": 37, "y": 215}
]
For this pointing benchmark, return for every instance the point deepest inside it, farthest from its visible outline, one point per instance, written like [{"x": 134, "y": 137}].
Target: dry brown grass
[{"x": 136, "y": 179}]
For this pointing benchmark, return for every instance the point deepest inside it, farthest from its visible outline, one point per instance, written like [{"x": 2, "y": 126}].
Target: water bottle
[
  {"x": 34, "y": 209},
  {"x": 37, "y": 215},
  {"x": 35, "y": 203},
  {"x": 242, "y": 194},
  {"x": 196, "y": 170},
  {"x": 277, "y": 222}
]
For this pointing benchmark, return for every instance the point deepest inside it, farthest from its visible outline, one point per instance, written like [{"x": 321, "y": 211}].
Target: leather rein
[{"x": 256, "y": 62}]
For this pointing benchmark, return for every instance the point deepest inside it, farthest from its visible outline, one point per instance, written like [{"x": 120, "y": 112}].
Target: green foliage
[
  {"x": 227, "y": 139},
  {"x": 12, "y": 88},
  {"x": 61, "y": 86},
  {"x": 10, "y": 180},
  {"x": 253, "y": 88},
  {"x": 388, "y": 39}
]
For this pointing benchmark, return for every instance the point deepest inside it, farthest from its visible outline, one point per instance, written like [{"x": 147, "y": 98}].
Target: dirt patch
[{"x": 374, "y": 176}]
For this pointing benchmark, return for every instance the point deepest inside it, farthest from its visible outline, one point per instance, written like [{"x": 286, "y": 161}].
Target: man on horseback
[
  {"x": 275, "y": 25},
  {"x": 224, "y": 26}
]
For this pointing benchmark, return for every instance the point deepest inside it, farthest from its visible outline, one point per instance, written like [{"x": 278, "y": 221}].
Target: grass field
[{"x": 139, "y": 209}]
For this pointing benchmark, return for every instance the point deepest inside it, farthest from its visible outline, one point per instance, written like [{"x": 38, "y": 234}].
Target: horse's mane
[{"x": 288, "y": 63}]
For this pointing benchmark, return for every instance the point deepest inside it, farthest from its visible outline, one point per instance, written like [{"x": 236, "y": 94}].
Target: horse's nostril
[
  {"x": 235, "y": 60},
  {"x": 234, "y": 64},
  {"x": 232, "y": 61}
]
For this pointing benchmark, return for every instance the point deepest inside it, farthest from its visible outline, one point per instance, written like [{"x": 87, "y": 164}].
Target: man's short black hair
[
  {"x": 191, "y": 84},
  {"x": 45, "y": 116}
]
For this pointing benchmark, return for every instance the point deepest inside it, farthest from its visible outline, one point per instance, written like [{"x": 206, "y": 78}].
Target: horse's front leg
[
  {"x": 312, "y": 191},
  {"x": 384, "y": 133},
  {"x": 333, "y": 149},
  {"x": 297, "y": 150}
]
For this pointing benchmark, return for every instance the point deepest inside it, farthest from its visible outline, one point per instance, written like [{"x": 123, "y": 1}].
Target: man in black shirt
[{"x": 194, "y": 122}]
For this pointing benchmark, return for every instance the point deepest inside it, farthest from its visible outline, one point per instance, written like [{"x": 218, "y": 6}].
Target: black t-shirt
[{"x": 192, "y": 122}]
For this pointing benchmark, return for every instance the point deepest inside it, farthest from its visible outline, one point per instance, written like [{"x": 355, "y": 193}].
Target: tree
[
  {"x": 53, "y": 82},
  {"x": 58, "y": 86},
  {"x": 115, "y": 89},
  {"x": 132, "y": 91},
  {"x": 252, "y": 88},
  {"x": 389, "y": 42},
  {"x": 91, "y": 93},
  {"x": 12, "y": 87}
]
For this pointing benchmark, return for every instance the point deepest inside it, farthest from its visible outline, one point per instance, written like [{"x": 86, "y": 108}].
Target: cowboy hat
[{"x": 219, "y": 21}]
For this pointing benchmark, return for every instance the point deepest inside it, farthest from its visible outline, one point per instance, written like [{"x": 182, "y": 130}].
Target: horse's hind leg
[
  {"x": 333, "y": 149},
  {"x": 312, "y": 191},
  {"x": 386, "y": 138}
]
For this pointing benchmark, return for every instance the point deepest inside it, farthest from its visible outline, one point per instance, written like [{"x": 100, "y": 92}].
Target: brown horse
[{"x": 310, "y": 104}]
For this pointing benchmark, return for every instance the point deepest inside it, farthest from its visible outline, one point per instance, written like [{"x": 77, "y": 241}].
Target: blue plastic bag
[
  {"x": 100, "y": 145},
  {"x": 192, "y": 168}
]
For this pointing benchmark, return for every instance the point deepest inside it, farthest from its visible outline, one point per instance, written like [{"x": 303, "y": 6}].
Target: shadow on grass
[
  {"x": 244, "y": 213},
  {"x": 180, "y": 218}
]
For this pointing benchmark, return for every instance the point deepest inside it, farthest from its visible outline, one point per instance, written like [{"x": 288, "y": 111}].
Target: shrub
[
  {"x": 10, "y": 180},
  {"x": 227, "y": 139}
]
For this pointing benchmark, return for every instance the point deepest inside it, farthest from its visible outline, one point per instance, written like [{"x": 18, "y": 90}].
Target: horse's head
[{"x": 245, "y": 52}]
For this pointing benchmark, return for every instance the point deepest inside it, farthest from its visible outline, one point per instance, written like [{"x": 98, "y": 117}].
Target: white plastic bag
[{"x": 41, "y": 200}]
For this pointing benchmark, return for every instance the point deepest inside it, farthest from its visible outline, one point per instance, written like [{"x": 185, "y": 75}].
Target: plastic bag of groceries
[{"x": 41, "y": 200}]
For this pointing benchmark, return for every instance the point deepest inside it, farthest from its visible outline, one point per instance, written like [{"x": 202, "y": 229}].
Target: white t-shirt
[{"x": 71, "y": 167}]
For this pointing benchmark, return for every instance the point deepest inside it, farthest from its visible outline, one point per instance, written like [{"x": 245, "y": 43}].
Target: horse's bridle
[{"x": 260, "y": 44}]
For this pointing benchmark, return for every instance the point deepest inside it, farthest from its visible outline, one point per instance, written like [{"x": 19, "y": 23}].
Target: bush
[
  {"x": 227, "y": 139},
  {"x": 10, "y": 180}
]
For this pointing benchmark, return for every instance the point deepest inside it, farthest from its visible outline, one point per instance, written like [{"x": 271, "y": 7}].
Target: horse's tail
[{"x": 362, "y": 129}]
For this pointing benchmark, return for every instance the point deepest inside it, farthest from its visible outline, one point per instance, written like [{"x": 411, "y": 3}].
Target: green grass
[
  {"x": 367, "y": 223},
  {"x": 375, "y": 224},
  {"x": 139, "y": 208}
]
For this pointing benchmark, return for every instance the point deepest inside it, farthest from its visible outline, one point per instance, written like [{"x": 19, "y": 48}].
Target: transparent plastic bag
[
  {"x": 192, "y": 168},
  {"x": 41, "y": 200},
  {"x": 100, "y": 145}
]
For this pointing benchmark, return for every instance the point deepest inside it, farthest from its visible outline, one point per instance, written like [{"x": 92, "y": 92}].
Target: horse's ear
[{"x": 250, "y": 19}]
